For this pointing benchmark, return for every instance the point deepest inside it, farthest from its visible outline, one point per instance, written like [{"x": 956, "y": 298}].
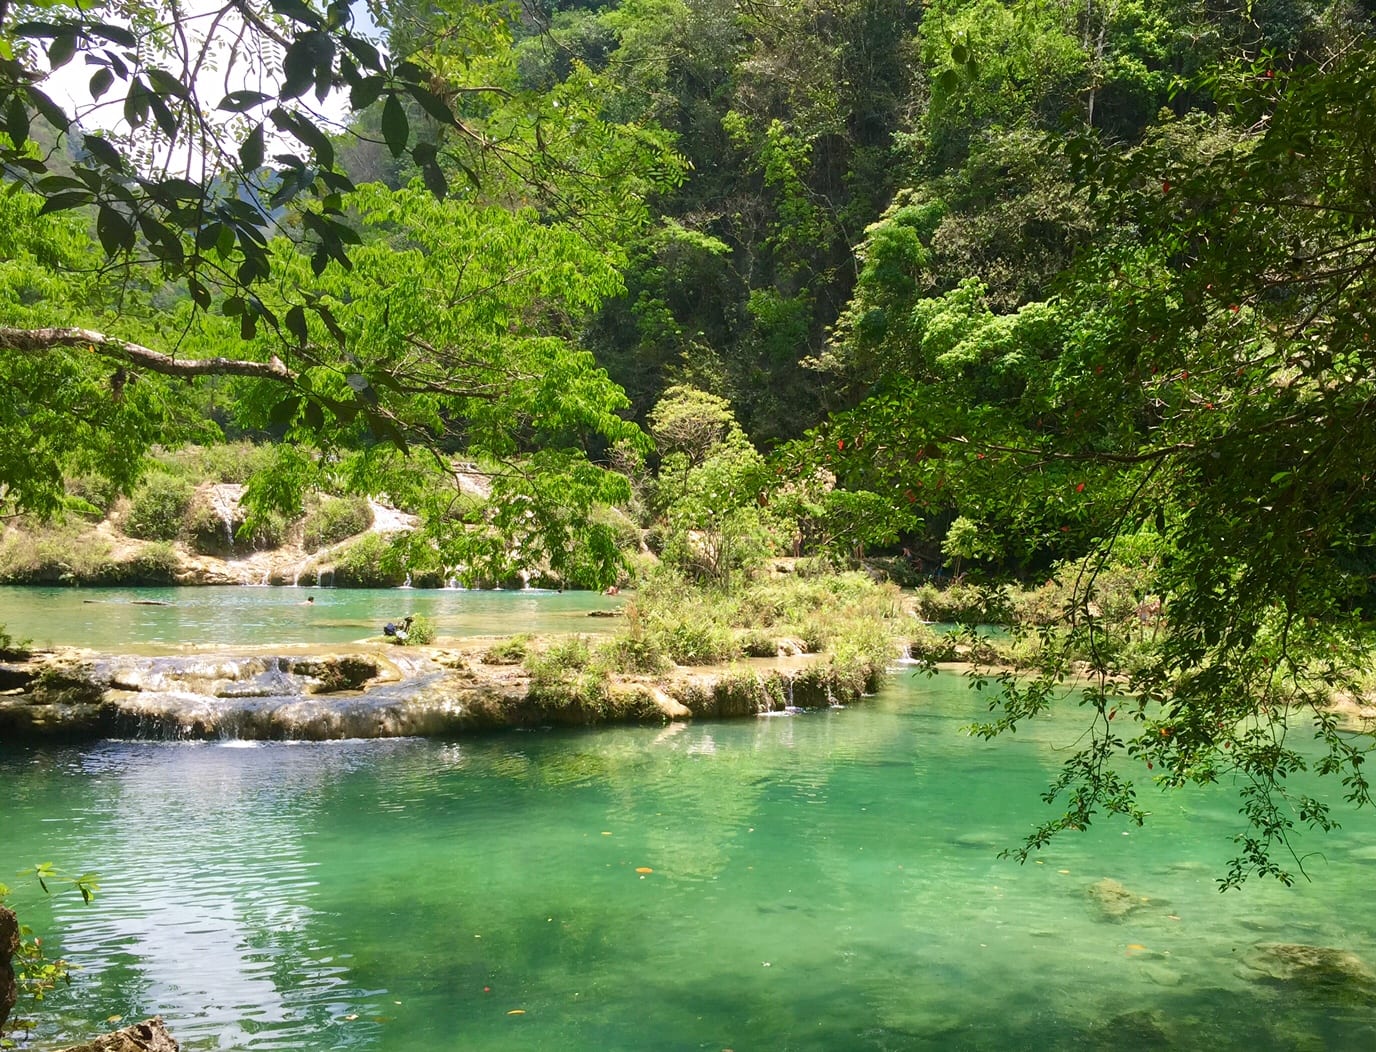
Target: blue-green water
[
  {"x": 159, "y": 618},
  {"x": 819, "y": 882}
]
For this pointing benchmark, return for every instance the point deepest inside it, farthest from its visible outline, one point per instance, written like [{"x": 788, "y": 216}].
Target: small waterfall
[
  {"x": 224, "y": 499},
  {"x": 407, "y": 583}
]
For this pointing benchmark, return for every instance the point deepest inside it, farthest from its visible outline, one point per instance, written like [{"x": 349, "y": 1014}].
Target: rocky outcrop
[
  {"x": 149, "y": 1036},
  {"x": 372, "y": 691},
  {"x": 9, "y": 946}
]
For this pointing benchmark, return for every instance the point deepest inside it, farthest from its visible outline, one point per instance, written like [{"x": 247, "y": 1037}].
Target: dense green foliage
[{"x": 1070, "y": 292}]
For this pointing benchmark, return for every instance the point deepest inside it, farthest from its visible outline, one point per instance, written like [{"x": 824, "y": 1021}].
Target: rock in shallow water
[
  {"x": 1313, "y": 967},
  {"x": 1113, "y": 900},
  {"x": 149, "y": 1036}
]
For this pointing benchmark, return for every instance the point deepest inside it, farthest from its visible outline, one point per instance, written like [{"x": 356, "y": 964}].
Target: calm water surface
[
  {"x": 123, "y": 619},
  {"x": 817, "y": 882}
]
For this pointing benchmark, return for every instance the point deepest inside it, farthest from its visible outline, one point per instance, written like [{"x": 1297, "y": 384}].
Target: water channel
[{"x": 820, "y": 881}]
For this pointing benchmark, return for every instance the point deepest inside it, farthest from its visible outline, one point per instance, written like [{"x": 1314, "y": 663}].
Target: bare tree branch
[{"x": 36, "y": 341}]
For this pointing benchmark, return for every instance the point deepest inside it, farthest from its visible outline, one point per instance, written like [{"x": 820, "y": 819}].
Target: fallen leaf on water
[
  {"x": 606, "y": 832},
  {"x": 1065, "y": 871},
  {"x": 643, "y": 869},
  {"x": 114, "y": 1018},
  {"x": 351, "y": 1016},
  {"x": 517, "y": 1011}
]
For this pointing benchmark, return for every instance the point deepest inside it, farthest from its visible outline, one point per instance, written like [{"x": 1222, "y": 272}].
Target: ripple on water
[{"x": 821, "y": 882}]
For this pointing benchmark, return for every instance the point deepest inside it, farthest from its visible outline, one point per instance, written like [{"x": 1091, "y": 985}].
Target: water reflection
[{"x": 813, "y": 882}]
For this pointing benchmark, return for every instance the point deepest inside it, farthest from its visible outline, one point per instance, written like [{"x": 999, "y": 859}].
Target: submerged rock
[
  {"x": 1113, "y": 900},
  {"x": 1308, "y": 967}
]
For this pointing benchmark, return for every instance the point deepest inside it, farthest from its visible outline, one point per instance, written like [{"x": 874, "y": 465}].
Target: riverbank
[{"x": 370, "y": 690}]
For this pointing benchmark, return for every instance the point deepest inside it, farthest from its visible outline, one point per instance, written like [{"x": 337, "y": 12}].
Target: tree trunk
[{"x": 9, "y": 946}]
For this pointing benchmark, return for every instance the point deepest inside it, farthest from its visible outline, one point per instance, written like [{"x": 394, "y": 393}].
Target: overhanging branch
[{"x": 36, "y": 341}]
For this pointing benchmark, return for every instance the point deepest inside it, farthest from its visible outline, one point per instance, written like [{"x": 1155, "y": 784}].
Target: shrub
[
  {"x": 228, "y": 461},
  {"x": 94, "y": 494},
  {"x": 507, "y": 651},
  {"x": 155, "y": 563},
  {"x": 421, "y": 633},
  {"x": 336, "y": 519},
  {"x": 564, "y": 679},
  {"x": 962, "y": 603},
  {"x": 158, "y": 507},
  {"x": 11, "y": 647},
  {"x": 634, "y": 648},
  {"x": 57, "y": 554},
  {"x": 369, "y": 562}
]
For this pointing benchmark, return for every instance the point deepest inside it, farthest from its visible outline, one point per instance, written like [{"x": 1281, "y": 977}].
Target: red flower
[
  {"x": 1165, "y": 186},
  {"x": 1079, "y": 487}
]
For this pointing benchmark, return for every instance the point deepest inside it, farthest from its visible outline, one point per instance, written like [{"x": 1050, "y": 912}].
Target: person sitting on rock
[{"x": 398, "y": 632}]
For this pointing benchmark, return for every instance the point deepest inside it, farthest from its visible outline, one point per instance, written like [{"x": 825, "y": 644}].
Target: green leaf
[
  {"x": 162, "y": 114},
  {"x": 396, "y": 128},
  {"x": 51, "y": 111},
  {"x": 948, "y": 81},
  {"x": 114, "y": 34},
  {"x": 298, "y": 67},
  {"x": 101, "y": 80},
  {"x": 103, "y": 151},
  {"x": 116, "y": 233},
  {"x": 242, "y": 101},
  {"x": 363, "y": 51},
  {"x": 307, "y": 133},
  {"x": 200, "y": 295},
  {"x": 62, "y": 49},
  {"x": 315, "y": 416},
  {"x": 136, "y": 104},
  {"x": 296, "y": 11},
  {"x": 62, "y": 202},
  {"x": 251, "y": 150},
  {"x": 295, "y": 321},
  {"x": 327, "y": 316},
  {"x": 165, "y": 83},
  {"x": 17, "y": 121},
  {"x": 284, "y": 412},
  {"x": 433, "y": 177},
  {"x": 432, "y": 104}
]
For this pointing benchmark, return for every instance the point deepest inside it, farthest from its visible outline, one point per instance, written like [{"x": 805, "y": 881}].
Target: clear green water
[
  {"x": 820, "y": 882},
  {"x": 119, "y": 619}
]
